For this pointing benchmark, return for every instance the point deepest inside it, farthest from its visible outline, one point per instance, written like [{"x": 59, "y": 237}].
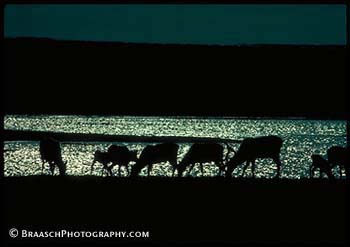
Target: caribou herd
[{"x": 249, "y": 150}]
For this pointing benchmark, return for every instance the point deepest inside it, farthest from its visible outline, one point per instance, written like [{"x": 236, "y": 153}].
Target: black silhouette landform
[{"x": 45, "y": 76}]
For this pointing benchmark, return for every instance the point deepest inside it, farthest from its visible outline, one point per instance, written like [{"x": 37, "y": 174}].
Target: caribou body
[
  {"x": 153, "y": 154},
  {"x": 254, "y": 148},
  {"x": 117, "y": 155},
  {"x": 50, "y": 152},
  {"x": 201, "y": 153}
]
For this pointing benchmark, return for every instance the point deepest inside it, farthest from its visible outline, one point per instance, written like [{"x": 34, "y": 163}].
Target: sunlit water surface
[{"x": 301, "y": 139}]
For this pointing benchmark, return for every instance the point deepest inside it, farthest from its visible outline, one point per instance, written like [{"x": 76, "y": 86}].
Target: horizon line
[{"x": 41, "y": 38}]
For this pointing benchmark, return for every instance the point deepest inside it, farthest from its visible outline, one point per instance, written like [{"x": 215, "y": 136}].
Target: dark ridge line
[
  {"x": 25, "y": 135},
  {"x": 160, "y": 45},
  {"x": 280, "y": 2}
]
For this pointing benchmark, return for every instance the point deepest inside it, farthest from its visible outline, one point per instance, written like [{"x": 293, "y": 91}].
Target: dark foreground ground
[{"x": 200, "y": 211}]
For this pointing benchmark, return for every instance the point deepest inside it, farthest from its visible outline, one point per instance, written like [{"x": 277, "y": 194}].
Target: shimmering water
[{"x": 301, "y": 139}]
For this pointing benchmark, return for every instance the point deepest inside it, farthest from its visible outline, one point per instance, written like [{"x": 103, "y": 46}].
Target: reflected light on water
[{"x": 301, "y": 139}]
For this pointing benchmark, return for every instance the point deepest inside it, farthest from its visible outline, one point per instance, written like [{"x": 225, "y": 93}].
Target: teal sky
[{"x": 190, "y": 24}]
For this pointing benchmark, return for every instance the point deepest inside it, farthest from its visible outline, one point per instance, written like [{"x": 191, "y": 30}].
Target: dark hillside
[{"x": 48, "y": 76}]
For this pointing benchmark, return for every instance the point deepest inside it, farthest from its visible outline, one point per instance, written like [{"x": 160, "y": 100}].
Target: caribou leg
[
  {"x": 110, "y": 170},
  {"x": 92, "y": 165},
  {"x": 173, "y": 165},
  {"x": 228, "y": 172},
  {"x": 221, "y": 167},
  {"x": 340, "y": 172},
  {"x": 329, "y": 174},
  {"x": 127, "y": 170},
  {"x": 279, "y": 164},
  {"x": 191, "y": 168},
  {"x": 253, "y": 168},
  {"x": 202, "y": 170},
  {"x": 104, "y": 168},
  {"x": 347, "y": 172},
  {"x": 150, "y": 166},
  {"x": 245, "y": 167},
  {"x": 52, "y": 168},
  {"x": 312, "y": 171},
  {"x": 42, "y": 167}
]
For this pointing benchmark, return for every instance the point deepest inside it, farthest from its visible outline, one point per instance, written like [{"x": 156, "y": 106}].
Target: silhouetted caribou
[
  {"x": 117, "y": 155},
  {"x": 50, "y": 151},
  {"x": 254, "y": 148},
  {"x": 121, "y": 156},
  {"x": 155, "y": 154},
  {"x": 339, "y": 156},
  {"x": 201, "y": 153},
  {"x": 318, "y": 162}
]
